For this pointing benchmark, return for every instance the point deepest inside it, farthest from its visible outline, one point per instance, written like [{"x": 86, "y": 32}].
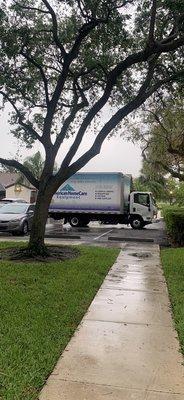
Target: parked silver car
[
  {"x": 16, "y": 218},
  {"x": 6, "y": 200}
]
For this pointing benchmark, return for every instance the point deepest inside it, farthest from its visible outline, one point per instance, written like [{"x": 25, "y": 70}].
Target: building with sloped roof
[{"x": 11, "y": 188}]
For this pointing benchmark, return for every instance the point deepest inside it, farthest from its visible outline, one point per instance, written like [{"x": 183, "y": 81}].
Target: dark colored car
[{"x": 16, "y": 218}]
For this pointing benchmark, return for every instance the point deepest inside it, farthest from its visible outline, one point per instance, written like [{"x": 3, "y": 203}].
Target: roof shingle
[{"x": 8, "y": 179}]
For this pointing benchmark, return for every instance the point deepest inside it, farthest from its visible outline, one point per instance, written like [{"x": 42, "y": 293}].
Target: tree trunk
[{"x": 36, "y": 244}]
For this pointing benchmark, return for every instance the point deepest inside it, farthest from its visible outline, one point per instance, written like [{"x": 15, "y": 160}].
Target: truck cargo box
[{"x": 93, "y": 193}]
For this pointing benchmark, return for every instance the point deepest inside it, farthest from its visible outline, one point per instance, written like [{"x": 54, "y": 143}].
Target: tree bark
[{"x": 36, "y": 244}]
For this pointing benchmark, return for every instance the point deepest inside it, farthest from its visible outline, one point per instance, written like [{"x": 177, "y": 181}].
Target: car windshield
[{"x": 13, "y": 208}]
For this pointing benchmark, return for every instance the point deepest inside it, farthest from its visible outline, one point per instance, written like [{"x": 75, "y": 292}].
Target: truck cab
[{"x": 142, "y": 209}]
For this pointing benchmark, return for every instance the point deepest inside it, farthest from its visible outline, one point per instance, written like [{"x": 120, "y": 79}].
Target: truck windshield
[{"x": 142, "y": 198}]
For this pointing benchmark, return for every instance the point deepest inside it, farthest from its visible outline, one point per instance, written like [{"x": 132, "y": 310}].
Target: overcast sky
[{"x": 116, "y": 154}]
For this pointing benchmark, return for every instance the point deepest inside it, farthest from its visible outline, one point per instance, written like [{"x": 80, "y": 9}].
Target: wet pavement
[
  {"x": 125, "y": 347},
  {"x": 99, "y": 235},
  {"x": 95, "y": 232}
]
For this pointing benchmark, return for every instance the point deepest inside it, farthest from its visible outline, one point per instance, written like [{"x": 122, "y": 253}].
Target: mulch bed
[{"x": 55, "y": 253}]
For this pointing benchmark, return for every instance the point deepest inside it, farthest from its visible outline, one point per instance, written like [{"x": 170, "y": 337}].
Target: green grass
[
  {"x": 173, "y": 264},
  {"x": 41, "y": 306}
]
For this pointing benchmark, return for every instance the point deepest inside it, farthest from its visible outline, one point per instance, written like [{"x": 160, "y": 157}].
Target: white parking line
[{"x": 103, "y": 234}]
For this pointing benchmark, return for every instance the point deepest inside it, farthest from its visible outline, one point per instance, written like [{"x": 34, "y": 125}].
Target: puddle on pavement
[{"x": 141, "y": 255}]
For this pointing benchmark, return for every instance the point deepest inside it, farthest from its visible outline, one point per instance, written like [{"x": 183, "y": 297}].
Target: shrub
[{"x": 174, "y": 219}]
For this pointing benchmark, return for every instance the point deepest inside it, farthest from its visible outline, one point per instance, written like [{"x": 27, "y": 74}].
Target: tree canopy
[
  {"x": 63, "y": 62},
  {"x": 151, "y": 180},
  {"x": 162, "y": 138}
]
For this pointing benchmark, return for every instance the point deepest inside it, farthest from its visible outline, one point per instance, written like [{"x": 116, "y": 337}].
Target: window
[
  {"x": 33, "y": 196},
  {"x": 14, "y": 208},
  {"x": 142, "y": 198}
]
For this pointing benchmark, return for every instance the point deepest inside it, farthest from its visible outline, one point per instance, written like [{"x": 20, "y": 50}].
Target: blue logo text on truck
[{"x": 69, "y": 192}]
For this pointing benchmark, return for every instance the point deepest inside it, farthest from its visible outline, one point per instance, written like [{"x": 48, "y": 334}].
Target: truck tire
[
  {"x": 85, "y": 222},
  {"x": 75, "y": 221},
  {"x": 137, "y": 222}
]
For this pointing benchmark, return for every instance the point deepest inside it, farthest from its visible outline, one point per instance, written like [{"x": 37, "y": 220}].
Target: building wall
[{"x": 24, "y": 194}]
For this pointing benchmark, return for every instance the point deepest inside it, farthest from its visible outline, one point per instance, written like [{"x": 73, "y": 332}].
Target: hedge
[{"x": 174, "y": 219}]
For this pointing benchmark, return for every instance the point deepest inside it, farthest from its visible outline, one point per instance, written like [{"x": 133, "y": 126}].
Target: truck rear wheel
[
  {"x": 137, "y": 222},
  {"x": 75, "y": 221}
]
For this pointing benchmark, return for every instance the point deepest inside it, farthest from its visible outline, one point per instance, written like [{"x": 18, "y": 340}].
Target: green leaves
[
  {"x": 174, "y": 219},
  {"x": 57, "y": 57},
  {"x": 161, "y": 134}
]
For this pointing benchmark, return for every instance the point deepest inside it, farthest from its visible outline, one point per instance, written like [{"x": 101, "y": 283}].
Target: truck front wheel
[
  {"x": 75, "y": 221},
  {"x": 137, "y": 222}
]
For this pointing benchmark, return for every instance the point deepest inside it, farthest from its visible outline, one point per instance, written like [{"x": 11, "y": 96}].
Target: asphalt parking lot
[{"x": 96, "y": 233}]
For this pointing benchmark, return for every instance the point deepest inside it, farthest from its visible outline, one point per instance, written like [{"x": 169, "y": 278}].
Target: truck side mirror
[{"x": 148, "y": 203}]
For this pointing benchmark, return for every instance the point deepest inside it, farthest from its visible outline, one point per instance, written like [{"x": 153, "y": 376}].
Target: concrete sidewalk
[{"x": 126, "y": 347}]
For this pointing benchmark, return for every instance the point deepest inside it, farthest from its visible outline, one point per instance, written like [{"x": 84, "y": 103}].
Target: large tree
[
  {"x": 151, "y": 180},
  {"x": 63, "y": 61},
  {"x": 163, "y": 144}
]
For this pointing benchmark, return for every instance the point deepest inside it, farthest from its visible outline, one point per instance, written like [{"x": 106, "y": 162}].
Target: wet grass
[
  {"x": 173, "y": 264},
  {"x": 41, "y": 306}
]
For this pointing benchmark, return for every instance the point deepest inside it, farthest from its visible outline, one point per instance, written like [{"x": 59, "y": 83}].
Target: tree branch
[
  {"x": 66, "y": 125},
  {"x": 162, "y": 82},
  {"x": 83, "y": 32},
  {"x": 174, "y": 151},
  {"x": 157, "y": 119},
  {"x": 55, "y": 28},
  {"x": 170, "y": 45},
  {"x": 27, "y": 127},
  {"x": 177, "y": 152},
  {"x": 168, "y": 169},
  {"x": 20, "y": 167},
  {"x": 44, "y": 79},
  {"x": 104, "y": 132},
  {"x": 30, "y": 8},
  {"x": 152, "y": 22},
  {"x": 141, "y": 56},
  {"x": 83, "y": 12},
  {"x": 112, "y": 78},
  {"x": 117, "y": 118},
  {"x": 176, "y": 28},
  {"x": 29, "y": 99}
]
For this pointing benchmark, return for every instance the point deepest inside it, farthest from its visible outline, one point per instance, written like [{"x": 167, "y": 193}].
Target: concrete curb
[{"x": 119, "y": 239}]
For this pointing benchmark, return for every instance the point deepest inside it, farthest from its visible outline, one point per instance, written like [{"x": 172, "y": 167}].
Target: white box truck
[{"x": 103, "y": 197}]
